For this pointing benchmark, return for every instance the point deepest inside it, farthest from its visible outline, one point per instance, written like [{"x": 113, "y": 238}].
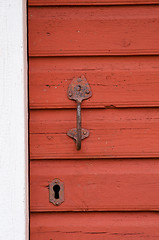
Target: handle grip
[{"x": 78, "y": 90}]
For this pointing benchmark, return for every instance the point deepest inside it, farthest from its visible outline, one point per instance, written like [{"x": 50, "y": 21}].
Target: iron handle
[
  {"x": 78, "y": 141},
  {"x": 78, "y": 90}
]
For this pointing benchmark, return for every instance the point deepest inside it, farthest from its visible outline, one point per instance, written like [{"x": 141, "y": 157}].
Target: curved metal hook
[{"x": 79, "y": 90}]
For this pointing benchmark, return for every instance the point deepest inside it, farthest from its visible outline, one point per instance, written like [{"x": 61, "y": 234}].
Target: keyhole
[{"x": 56, "y": 189}]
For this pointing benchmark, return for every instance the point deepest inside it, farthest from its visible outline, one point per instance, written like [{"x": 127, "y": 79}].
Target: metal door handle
[
  {"x": 79, "y": 90},
  {"x": 78, "y": 141}
]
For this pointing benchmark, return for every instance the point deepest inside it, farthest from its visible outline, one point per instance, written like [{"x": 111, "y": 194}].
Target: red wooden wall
[{"x": 111, "y": 185}]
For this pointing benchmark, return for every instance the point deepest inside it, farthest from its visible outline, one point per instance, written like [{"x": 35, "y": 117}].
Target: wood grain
[
  {"x": 94, "y": 225},
  {"x": 87, "y": 2},
  {"x": 69, "y": 31},
  {"x": 97, "y": 185},
  {"x": 114, "y": 133},
  {"x": 115, "y": 81}
]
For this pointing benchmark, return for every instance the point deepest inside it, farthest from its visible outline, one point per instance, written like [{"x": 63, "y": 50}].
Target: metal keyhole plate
[{"x": 56, "y": 192}]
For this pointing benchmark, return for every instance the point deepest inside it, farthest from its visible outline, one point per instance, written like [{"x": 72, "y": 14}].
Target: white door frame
[{"x": 13, "y": 121}]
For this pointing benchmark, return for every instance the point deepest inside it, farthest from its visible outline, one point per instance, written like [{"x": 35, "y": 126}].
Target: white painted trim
[{"x": 13, "y": 121}]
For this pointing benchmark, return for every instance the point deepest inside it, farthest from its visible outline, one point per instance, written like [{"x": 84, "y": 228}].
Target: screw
[
  {"x": 55, "y": 181},
  {"x": 78, "y": 88},
  {"x": 70, "y": 94},
  {"x": 87, "y": 91},
  {"x": 84, "y": 132},
  {"x": 57, "y": 203}
]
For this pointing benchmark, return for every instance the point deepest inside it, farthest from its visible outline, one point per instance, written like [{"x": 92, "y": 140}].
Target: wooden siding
[
  {"x": 88, "y": 2},
  {"x": 124, "y": 30},
  {"x": 97, "y": 185},
  {"x": 111, "y": 185},
  {"x": 95, "y": 225},
  {"x": 113, "y": 133},
  {"x": 115, "y": 81}
]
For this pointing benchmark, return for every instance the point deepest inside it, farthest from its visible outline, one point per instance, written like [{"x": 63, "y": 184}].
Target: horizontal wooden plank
[
  {"x": 68, "y": 31},
  {"x": 112, "y": 185},
  {"x": 115, "y": 81},
  {"x": 95, "y": 225},
  {"x": 113, "y": 133},
  {"x": 88, "y": 2}
]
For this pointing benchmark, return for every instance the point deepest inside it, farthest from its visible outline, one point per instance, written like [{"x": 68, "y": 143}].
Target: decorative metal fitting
[
  {"x": 78, "y": 90},
  {"x": 56, "y": 192}
]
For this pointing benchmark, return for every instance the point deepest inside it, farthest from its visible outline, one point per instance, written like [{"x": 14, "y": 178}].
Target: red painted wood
[
  {"x": 117, "y": 81},
  {"x": 94, "y": 182},
  {"x": 113, "y": 133},
  {"x": 95, "y": 225},
  {"x": 68, "y": 31},
  {"x": 99, "y": 185},
  {"x": 88, "y": 2}
]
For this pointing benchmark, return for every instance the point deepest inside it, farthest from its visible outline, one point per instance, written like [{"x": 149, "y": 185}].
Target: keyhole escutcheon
[{"x": 56, "y": 192}]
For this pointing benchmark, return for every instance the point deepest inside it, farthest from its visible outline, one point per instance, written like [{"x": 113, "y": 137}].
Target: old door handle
[{"x": 79, "y": 90}]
